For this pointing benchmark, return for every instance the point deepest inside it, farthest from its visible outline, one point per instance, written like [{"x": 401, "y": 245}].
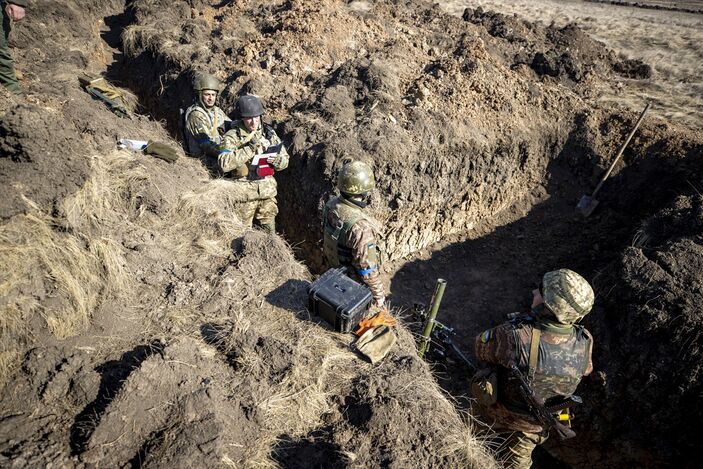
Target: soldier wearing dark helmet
[
  {"x": 549, "y": 348},
  {"x": 351, "y": 237},
  {"x": 239, "y": 157},
  {"x": 204, "y": 121}
]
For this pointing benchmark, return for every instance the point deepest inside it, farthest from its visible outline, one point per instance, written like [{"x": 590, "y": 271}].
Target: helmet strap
[{"x": 360, "y": 200}]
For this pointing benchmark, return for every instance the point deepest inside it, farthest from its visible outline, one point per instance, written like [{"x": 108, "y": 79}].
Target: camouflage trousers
[
  {"x": 262, "y": 211},
  {"x": 256, "y": 202},
  {"x": 7, "y": 69},
  {"x": 515, "y": 448}
]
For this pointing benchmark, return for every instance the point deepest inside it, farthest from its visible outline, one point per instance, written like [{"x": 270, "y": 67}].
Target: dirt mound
[
  {"x": 567, "y": 53},
  {"x": 143, "y": 323},
  {"x": 655, "y": 298}
]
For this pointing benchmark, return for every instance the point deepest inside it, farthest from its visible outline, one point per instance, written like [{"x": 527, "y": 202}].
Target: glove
[{"x": 275, "y": 161}]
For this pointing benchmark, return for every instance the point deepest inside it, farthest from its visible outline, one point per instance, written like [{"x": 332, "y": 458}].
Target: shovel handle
[{"x": 622, "y": 149}]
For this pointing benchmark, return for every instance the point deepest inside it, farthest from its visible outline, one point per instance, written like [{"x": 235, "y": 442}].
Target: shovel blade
[{"x": 587, "y": 205}]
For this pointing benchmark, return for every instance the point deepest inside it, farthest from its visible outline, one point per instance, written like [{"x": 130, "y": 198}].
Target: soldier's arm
[
  {"x": 231, "y": 154},
  {"x": 280, "y": 161},
  {"x": 361, "y": 238},
  {"x": 198, "y": 125},
  {"x": 495, "y": 345}
]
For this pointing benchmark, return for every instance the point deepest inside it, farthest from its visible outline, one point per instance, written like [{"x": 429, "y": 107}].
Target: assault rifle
[{"x": 538, "y": 408}]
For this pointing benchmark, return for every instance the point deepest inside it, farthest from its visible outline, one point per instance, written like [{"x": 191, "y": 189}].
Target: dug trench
[{"x": 480, "y": 160}]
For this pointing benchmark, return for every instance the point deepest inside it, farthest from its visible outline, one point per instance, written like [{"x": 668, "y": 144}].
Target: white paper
[
  {"x": 137, "y": 145},
  {"x": 261, "y": 156}
]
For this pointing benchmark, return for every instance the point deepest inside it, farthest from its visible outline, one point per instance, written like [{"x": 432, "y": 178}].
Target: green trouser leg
[
  {"x": 516, "y": 450},
  {"x": 266, "y": 212},
  {"x": 269, "y": 227},
  {"x": 7, "y": 70}
]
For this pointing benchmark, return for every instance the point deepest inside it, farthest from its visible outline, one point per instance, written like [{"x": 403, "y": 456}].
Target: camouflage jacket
[
  {"x": 238, "y": 148},
  {"x": 564, "y": 357},
  {"x": 352, "y": 238},
  {"x": 202, "y": 129}
]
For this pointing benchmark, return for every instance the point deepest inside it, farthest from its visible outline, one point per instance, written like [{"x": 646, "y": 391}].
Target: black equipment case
[{"x": 339, "y": 300}]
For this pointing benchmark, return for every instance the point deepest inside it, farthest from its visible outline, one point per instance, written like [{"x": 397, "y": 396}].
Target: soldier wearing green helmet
[
  {"x": 204, "y": 121},
  {"x": 249, "y": 154},
  {"x": 351, "y": 237},
  {"x": 549, "y": 348}
]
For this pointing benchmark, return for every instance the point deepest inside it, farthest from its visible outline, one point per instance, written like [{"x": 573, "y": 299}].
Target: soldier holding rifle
[{"x": 539, "y": 360}]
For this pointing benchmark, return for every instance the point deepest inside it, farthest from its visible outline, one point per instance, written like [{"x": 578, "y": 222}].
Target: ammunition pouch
[
  {"x": 484, "y": 386},
  {"x": 377, "y": 251},
  {"x": 161, "y": 150}
]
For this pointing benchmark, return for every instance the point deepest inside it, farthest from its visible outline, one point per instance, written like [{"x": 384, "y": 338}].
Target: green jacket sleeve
[
  {"x": 232, "y": 154},
  {"x": 19, "y": 3},
  {"x": 281, "y": 160},
  {"x": 198, "y": 125}
]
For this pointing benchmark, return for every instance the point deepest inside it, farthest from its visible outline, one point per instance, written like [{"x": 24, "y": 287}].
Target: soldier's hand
[
  {"x": 274, "y": 160},
  {"x": 379, "y": 303},
  {"x": 14, "y": 12}
]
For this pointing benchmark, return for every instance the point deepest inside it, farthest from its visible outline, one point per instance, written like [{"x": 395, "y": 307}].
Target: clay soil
[{"x": 143, "y": 325}]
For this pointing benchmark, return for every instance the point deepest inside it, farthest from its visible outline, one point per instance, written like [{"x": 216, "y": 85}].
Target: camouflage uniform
[
  {"x": 257, "y": 195},
  {"x": 7, "y": 70},
  {"x": 202, "y": 129},
  {"x": 564, "y": 358},
  {"x": 351, "y": 238}
]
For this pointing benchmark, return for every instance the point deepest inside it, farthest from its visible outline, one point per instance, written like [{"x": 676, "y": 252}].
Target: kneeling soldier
[
  {"x": 351, "y": 237},
  {"x": 240, "y": 158}
]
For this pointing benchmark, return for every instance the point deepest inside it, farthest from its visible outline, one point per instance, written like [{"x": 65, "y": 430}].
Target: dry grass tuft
[
  {"x": 65, "y": 271},
  {"x": 209, "y": 213},
  {"x": 136, "y": 38},
  {"x": 110, "y": 196}
]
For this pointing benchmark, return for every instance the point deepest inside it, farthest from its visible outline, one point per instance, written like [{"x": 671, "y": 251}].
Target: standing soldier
[
  {"x": 240, "y": 158},
  {"x": 11, "y": 10},
  {"x": 203, "y": 120},
  {"x": 351, "y": 237},
  {"x": 549, "y": 348}
]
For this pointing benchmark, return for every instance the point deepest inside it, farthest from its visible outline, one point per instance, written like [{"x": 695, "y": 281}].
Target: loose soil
[{"x": 143, "y": 325}]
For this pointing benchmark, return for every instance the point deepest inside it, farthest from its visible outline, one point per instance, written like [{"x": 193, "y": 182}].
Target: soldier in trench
[
  {"x": 204, "y": 121},
  {"x": 12, "y": 10},
  {"x": 352, "y": 238},
  {"x": 549, "y": 348},
  {"x": 250, "y": 154}
]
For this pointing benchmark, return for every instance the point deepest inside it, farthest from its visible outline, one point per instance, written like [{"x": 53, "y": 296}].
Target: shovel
[{"x": 588, "y": 203}]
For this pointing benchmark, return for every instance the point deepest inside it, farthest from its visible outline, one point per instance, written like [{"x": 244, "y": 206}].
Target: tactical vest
[
  {"x": 558, "y": 368},
  {"x": 339, "y": 217},
  {"x": 192, "y": 144}
]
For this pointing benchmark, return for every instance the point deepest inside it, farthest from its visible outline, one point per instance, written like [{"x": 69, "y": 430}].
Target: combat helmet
[
  {"x": 250, "y": 106},
  {"x": 566, "y": 294},
  {"x": 205, "y": 81},
  {"x": 356, "y": 178}
]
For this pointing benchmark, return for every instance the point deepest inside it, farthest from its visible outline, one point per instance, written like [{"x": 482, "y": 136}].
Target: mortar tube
[{"x": 430, "y": 321}]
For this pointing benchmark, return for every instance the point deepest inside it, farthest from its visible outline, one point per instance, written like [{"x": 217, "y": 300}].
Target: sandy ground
[{"x": 670, "y": 41}]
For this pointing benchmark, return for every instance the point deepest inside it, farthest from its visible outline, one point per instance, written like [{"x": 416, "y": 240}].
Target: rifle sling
[{"x": 534, "y": 353}]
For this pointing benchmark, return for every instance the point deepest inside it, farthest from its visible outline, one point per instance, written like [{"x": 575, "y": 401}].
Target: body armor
[
  {"x": 210, "y": 122},
  {"x": 339, "y": 216},
  {"x": 559, "y": 369}
]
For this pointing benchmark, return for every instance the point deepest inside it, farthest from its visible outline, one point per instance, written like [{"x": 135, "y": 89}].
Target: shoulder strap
[
  {"x": 268, "y": 131},
  {"x": 194, "y": 108},
  {"x": 534, "y": 352}
]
